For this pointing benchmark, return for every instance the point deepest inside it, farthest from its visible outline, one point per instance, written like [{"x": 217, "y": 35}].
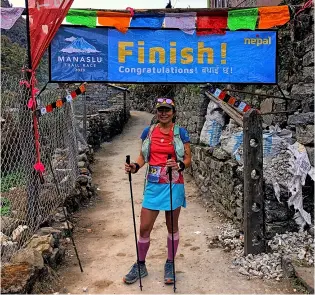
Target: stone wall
[
  {"x": 220, "y": 182},
  {"x": 106, "y": 124},
  {"x": 219, "y": 179},
  {"x": 99, "y": 96},
  {"x": 29, "y": 270},
  {"x": 191, "y": 107},
  {"x": 104, "y": 110}
]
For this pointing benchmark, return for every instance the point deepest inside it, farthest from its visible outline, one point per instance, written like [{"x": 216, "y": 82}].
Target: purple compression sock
[
  {"x": 143, "y": 247},
  {"x": 169, "y": 245}
]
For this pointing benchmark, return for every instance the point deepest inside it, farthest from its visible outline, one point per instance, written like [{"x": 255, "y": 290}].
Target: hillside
[
  {"x": 17, "y": 33},
  {"x": 14, "y": 50}
]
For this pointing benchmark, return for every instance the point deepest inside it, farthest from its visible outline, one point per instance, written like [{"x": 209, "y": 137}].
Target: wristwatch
[{"x": 181, "y": 166}]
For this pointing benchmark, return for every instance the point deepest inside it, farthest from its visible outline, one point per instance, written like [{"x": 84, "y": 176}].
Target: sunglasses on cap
[{"x": 161, "y": 101}]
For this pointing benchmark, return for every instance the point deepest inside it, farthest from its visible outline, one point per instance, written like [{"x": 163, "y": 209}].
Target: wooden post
[{"x": 254, "y": 241}]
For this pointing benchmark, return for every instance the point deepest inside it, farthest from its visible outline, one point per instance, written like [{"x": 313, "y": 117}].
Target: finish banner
[{"x": 162, "y": 56}]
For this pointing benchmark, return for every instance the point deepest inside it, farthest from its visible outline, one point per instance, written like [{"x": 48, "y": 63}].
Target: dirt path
[{"x": 105, "y": 239}]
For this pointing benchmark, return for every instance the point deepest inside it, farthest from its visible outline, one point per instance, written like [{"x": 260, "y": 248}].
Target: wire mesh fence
[{"x": 25, "y": 202}]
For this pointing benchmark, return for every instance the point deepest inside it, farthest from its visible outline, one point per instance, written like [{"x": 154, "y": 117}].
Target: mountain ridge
[{"x": 79, "y": 45}]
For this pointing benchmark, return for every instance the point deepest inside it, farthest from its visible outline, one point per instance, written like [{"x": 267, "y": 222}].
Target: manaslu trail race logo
[{"x": 79, "y": 54}]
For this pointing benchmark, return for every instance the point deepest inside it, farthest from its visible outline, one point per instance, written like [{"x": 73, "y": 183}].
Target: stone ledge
[
  {"x": 18, "y": 278},
  {"x": 301, "y": 119}
]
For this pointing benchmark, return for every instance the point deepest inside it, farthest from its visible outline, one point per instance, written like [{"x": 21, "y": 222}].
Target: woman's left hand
[{"x": 171, "y": 163}]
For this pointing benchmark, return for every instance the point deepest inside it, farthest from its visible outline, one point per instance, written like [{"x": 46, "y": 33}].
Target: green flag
[
  {"x": 82, "y": 17},
  {"x": 242, "y": 19}
]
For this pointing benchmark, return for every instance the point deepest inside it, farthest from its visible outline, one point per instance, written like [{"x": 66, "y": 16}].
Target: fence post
[
  {"x": 254, "y": 240},
  {"x": 125, "y": 105}
]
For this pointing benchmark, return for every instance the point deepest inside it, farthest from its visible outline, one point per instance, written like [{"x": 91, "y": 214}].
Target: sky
[{"x": 123, "y": 4}]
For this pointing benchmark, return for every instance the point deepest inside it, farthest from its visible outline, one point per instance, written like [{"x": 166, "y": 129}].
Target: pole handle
[{"x": 128, "y": 162}]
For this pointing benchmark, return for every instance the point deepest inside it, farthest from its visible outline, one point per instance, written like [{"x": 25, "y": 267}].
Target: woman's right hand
[{"x": 130, "y": 168}]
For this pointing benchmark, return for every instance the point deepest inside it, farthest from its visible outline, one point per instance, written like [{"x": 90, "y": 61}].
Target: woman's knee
[
  {"x": 176, "y": 213},
  {"x": 145, "y": 230},
  {"x": 169, "y": 228}
]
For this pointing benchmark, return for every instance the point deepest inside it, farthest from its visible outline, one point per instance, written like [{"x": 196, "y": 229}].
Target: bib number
[{"x": 154, "y": 174}]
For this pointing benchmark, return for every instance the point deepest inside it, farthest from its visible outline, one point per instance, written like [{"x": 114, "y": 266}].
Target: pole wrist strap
[
  {"x": 137, "y": 167},
  {"x": 181, "y": 166}
]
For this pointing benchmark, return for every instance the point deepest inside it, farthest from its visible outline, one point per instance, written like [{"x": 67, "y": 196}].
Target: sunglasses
[{"x": 165, "y": 100}]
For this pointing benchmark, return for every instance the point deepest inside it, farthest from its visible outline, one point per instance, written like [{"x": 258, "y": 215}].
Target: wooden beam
[
  {"x": 237, "y": 117},
  {"x": 254, "y": 232},
  {"x": 169, "y": 10}
]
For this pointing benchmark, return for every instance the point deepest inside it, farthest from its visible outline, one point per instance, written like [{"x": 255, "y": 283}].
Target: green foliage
[
  {"x": 14, "y": 51},
  {"x": 5, "y": 207},
  {"x": 12, "y": 57},
  {"x": 14, "y": 179},
  {"x": 17, "y": 34},
  {"x": 194, "y": 88},
  {"x": 42, "y": 72}
]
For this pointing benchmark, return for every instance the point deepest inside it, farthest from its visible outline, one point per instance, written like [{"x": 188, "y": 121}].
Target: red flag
[
  {"x": 45, "y": 18},
  {"x": 214, "y": 22}
]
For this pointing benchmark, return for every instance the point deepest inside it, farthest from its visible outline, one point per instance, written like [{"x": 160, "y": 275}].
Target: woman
[{"x": 158, "y": 141}]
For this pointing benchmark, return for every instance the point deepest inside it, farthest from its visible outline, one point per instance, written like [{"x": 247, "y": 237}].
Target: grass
[
  {"x": 13, "y": 179},
  {"x": 298, "y": 286}
]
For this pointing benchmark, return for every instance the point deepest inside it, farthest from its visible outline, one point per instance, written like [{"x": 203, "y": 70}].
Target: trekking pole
[
  {"x": 64, "y": 212},
  {"x": 172, "y": 222},
  {"x": 134, "y": 222}
]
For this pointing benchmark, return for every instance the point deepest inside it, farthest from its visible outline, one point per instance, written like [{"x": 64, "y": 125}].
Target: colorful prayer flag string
[
  {"x": 121, "y": 21},
  {"x": 212, "y": 23},
  {"x": 82, "y": 17},
  {"x": 208, "y": 22},
  {"x": 60, "y": 101},
  {"x": 185, "y": 22},
  {"x": 273, "y": 16},
  {"x": 239, "y": 105},
  {"x": 242, "y": 19}
]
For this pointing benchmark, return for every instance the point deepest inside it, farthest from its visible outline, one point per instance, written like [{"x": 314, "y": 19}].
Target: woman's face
[{"x": 165, "y": 115}]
